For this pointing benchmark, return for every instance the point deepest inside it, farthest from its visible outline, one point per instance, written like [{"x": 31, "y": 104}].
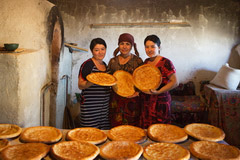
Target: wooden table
[{"x": 185, "y": 144}]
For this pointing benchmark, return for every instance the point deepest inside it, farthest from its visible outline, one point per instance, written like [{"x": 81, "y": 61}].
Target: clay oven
[{"x": 29, "y": 79}]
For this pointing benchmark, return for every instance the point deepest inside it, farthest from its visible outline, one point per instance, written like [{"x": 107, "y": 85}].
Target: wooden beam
[
  {"x": 141, "y": 24},
  {"x": 69, "y": 45}
]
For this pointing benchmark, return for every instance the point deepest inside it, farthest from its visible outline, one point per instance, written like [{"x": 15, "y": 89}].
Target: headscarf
[{"x": 126, "y": 37}]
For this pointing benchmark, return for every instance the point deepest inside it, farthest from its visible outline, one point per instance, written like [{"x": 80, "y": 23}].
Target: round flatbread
[
  {"x": 147, "y": 77},
  {"x": 33, "y": 151},
  {"x": 3, "y": 144},
  {"x": 43, "y": 134},
  {"x": 102, "y": 79},
  {"x": 203, "y": 131},
  {"x": 68, "y": 150},
  {"x": 166, "y": 133},
  {"x": 9, "y": 131},
  {"x": 88, "y": 134},
  {"x": 127, "y": 133},
  {"x": 125, "y": 85},
  {"x": 126, "y": 150},
  {"x": 213, "y": 150},
  {"x": 163, "y": 151}
]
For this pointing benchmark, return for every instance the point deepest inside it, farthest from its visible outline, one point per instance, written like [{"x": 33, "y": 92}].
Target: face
[
  {"x": 125, "y": 47},
  {"x": 151, "y": 49},
  {"x": 99, "y": 52}
]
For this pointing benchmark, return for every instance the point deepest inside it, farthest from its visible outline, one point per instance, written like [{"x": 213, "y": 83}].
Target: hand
[
  {"x": 89, "y": 84},
  {"x": 154, "y": 92},
  {"x": 134, "y": 95},
  {"x": 147, "y": 92}
]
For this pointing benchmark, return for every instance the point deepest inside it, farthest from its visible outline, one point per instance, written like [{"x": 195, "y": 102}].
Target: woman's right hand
[{"x": 83, "y": 84}]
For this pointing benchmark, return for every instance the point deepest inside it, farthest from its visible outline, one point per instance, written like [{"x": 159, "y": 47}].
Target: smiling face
[
  {"x": 151, "y": 48},
  {"x": 125, "y": 47},
  {"x": 99, "y": 52}
]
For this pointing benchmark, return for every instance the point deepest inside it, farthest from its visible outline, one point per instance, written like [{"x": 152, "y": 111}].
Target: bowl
[{"x": 11, "y": 46}]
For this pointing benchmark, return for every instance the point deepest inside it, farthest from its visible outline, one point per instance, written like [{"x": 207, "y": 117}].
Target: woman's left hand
[
  {"x": 147, "y": 92},
  {"x": 134, "y": 95},
  {"x": 153, "y": 91}
]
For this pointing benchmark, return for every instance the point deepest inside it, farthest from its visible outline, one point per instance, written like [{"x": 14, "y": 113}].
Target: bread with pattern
[
  {"x": 3, "y": 144},
  {"x": 125, "y": 85},
  {"x": 166, "y": 133},
  {"x": 88, "y": 134},
  {"x": 126, "y": 150},
  {"x": 69, "y": 150},
  {"x": 147, "y": 77},
  {"x": 165, "y": 151},
  {"x": 206, "y": 132},
  {"x": 102, "y": 79},
  {"x": 42, "y": 134},
  {"x": 9, "y": 131},
  {"x": 127, "y": 133},
  {"x": 31, "y": 151},
  {"x": 214, "y": 151}
]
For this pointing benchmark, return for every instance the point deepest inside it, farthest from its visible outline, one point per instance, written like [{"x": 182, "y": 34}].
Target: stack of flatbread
[
  {"x": 124, "y": 144},
  {"x": 82, "y": 143},
  {"x": 207, "y": 147}
]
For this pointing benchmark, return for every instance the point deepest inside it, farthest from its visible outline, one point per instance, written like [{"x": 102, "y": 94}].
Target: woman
[
  {"x": 156, "y": 103},
  {"x": 94, "y": 107},
  {"x": 124, "y": 110}
]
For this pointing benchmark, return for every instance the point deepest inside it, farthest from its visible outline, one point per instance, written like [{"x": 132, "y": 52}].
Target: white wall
[
  {"x": 197, "y": 52},
  {"x": 24, "y": 74},
  {"x": 65, "y": 68}
]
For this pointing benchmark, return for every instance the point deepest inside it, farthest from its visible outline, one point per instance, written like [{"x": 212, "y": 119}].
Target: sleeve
[
  {"x": 85, "y": 69},
  {"x": 137, "y": 61},
  {"x": 169, "y": 67},
  {"x": 140, "y": 61},
  {"x": 110, "y": 69}
]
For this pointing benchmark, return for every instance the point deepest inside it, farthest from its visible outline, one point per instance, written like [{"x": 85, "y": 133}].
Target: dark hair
[
  {"x": 154, "y": 39},
  {"x": 96, "y": 41}
]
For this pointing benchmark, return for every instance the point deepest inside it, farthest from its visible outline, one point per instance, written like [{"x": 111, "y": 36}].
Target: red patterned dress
[
  {"x": 124, "y": 110},
  {"x": 156, "y": 108}
]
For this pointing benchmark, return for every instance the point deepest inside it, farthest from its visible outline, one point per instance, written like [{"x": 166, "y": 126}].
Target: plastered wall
[
  {"x": 23, "y": 75},
  {"x": 197, "y": 51}
]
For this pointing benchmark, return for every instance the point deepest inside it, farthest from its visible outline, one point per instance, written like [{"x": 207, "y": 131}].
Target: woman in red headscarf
[{"x": 124, "y": 110}]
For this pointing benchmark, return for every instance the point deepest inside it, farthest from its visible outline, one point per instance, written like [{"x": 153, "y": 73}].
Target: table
[
  {"x": 185, "y": 144},
  {"x": 224, "y": 111}
]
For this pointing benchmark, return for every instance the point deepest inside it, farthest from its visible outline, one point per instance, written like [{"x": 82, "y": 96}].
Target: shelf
[
  {"x": 75, "y": 47},
  {"x": 142, "y": 24}
]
